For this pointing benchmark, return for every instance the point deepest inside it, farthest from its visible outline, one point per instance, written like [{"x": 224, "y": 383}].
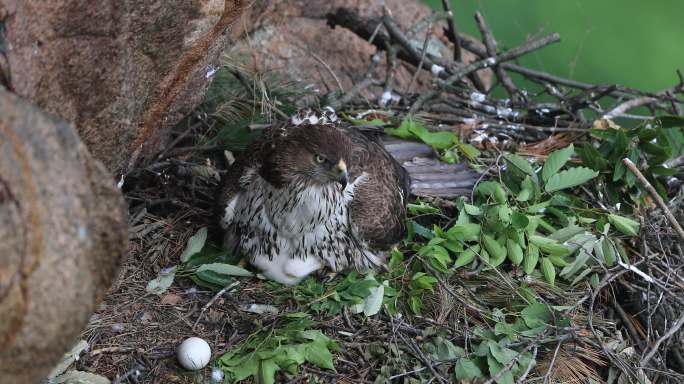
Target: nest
[{"x": 642, "y": 308}]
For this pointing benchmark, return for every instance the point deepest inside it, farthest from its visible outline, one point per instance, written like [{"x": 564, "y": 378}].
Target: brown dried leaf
[{"x": 170, "y": 299}]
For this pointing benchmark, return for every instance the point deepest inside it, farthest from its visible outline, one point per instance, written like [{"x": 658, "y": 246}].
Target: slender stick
[
  {"x": 661, "y": 203},
  {"x": 409, "y": 89},
  {"x": 627, "y": 105},
  {"x": 490, "y": 61},
  {"x": 213, "y": 299},
  {"x": 490, "y": 43},
  {"x": 452, "y": 32},
  {"x": 677, "y": 325},
  {"x": 532, "y": 74}
]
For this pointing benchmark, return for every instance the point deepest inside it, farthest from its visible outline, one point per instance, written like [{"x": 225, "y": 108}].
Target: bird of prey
[{"x": 312, "y": 193}]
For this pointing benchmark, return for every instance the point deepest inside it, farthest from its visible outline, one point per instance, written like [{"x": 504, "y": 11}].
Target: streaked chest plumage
[{"x": 308, "y": 223}]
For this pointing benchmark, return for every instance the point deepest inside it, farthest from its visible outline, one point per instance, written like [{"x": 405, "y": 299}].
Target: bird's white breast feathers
[{"x": 290, "y": 232}]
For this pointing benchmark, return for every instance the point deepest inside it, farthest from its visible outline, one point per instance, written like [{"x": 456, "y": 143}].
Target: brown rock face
[
  {"x": 62, "y": 236},
  {"x": 121, "y": 70},
  {"x": 295, "y": 40}
]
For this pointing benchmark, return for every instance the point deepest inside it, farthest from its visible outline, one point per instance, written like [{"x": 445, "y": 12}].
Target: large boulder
[
  {"x": 63, "y": 234},
  {"x": 294, "y": 39},
  {"x": 121, "y": 70}
]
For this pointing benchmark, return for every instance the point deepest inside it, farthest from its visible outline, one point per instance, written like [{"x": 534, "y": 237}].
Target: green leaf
[
  {"x": 225, "y": 269},
  {"x": 519, "y": 220},
  {"x": 267, "y": 371},
  {"x": 402, "y": 131},
  {"x": 627, "y": 226},
  {"x": 581, "y": 276},
  {"x": 521, "y": 163},
  {"x": 619, "y": 146},
  {"x": 212, "y": 280},
  {"x": 549, "y": 246},
  {"x": 536, "y": 315},
  {"x": 438, "y": 256},
  {"x": 515, "y": 252},
  {"x": 496, "y": 251},
  {"x": 592, "y": 158},
  {"x": 416, "y": 304},
  {"x": 468, "y": 150},
  {"x": 608, "y": 251},
  {"x": 194, "y": 245},
  {"x": 531, "y": 258},
  {"x": 580, "y": 262},
  {"x": 410, "y": 128},
  {"x": 446, "y": 350},
  {"x": 421, "y": 208},
  {"x": 318, "y": 354},
  {"x": 548, "y": 270},
  {"x": 500, "y": 194},
  {"x": 566, "y": 233},
  {"x": 584, "y": 240},
  {"x": 569, "y": 178},
  {"x": 556, "y": 161},
  {"x": 375, "y": 122},
  {"x": 594, "y": 280},
  {"x": 437, "y": 140},
  {"x": 472, "y": 210},
  {"x": 466, "y": 257},
  {"x": 420, "y": 230},
  {"x": 162, "y": 282},
  {"x": 241, "y": 367},
  {"x": 496, "y": 367},
  {"x": 466, "y": 369},
  {"x": 502, "y": 354},
  {"x": 464, "y": 232},
  {"x": 492, "y": 189},
  {"x": 663, "y": 171},
  {"x": 421, "y": 280},
  {"x": 373, "y": 302},
  {"x": 669, "y": 121},
  {"x": 558, "y": 261},
  {"x": 526, "y": 190}
]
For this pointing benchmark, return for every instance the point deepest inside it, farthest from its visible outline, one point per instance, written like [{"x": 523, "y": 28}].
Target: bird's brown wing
[
  {"x": 379, "y": 206},
  {"x": 250, "y": 157}
]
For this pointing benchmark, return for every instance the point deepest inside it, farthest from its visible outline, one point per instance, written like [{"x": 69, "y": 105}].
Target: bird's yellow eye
[{"x": 320, "y": 159}]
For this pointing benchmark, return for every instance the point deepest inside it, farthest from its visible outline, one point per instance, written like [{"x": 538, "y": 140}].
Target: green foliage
[
  {"x": 162, "y": 282},
  {"x": 444, "y": 141},
  {"x": 194, "y": 245},
  {"x": 266, "y": 352},
  {"x": 361, "y": 294},
  {"x": 500, "y": 345},
  {"x": 569, "y": 178},
  {"x": 524, "y": 222},
  {"x": 206, "y": 265},
  {"x": 649, "y": 145}
]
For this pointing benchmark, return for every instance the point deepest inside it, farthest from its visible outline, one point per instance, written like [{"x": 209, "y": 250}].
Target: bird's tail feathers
[{"x": 429, "y": 176}]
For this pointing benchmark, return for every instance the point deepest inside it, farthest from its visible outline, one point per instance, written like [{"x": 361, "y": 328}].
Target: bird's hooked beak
[{"x": 343, "y": 176}]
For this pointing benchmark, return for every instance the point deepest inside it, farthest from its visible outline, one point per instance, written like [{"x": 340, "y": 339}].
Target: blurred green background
[{"x": 630, "y": 42}]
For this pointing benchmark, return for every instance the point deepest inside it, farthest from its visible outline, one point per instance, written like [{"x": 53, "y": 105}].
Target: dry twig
[{"x": 656, "y": 196}]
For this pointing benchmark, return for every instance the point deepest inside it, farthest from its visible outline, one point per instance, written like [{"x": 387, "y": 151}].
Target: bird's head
[{"x": 316, "y": 155}]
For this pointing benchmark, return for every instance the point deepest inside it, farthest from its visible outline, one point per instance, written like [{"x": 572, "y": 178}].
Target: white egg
[{"x": 193, "y": 353}]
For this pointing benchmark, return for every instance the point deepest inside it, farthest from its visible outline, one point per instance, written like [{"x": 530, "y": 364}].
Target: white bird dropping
[{"x": 193, "y": 353}]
